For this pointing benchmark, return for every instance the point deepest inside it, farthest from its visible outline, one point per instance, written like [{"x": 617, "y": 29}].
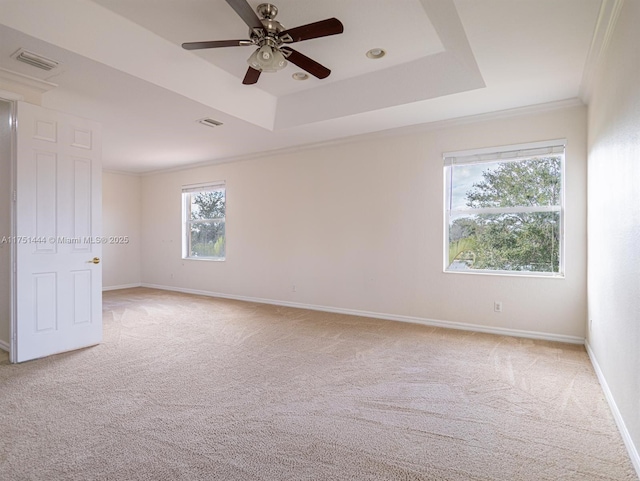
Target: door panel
[
  {"x": 81, "y": 202},
  {"x": 46, "y": 166},
  {"x": 58, "y": 220},
  {"x": 81, "y": 292},
  {"x": 46, "y": 314}
]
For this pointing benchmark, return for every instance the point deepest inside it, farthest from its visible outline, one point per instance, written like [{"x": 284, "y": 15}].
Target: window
[
  {"x": 204, "y": 221},
  {"x": 504, "y": 209}
]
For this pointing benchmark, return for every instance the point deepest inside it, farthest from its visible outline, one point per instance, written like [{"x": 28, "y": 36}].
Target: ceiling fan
[{"x": 272, "y": 40}]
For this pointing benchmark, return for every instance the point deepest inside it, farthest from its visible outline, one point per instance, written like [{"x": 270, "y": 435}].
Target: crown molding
[
  {"x": 10, "y": 96},
  {"x": 395, "y": 132},
  {"x": 40, "y": 86},
  {"x": 121, "y": 172},
  {"x": 605, "y": 26}
]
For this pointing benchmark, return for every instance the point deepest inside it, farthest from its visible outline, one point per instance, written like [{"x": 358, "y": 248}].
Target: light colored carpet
[{"x": 193, "y": 388}]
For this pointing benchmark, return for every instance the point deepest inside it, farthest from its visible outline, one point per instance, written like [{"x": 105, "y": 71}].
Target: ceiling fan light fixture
[
  {"x": 376, "y": 53},
  {"x": 267, "y": 59},
  {"x": 253, "y": 60}
]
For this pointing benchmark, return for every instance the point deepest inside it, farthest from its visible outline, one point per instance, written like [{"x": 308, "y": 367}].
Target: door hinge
[
  {"x": 15, "y": 267},
  {"x": 15, "y": 196}
]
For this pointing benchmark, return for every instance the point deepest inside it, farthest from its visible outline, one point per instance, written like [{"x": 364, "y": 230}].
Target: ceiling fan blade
[
  {"x": 246, "y": 13},
  {"x": 323, "y": 28},
  {"x": 216, "y": 44},
  {"x": 305, "y": 63},
  {"x": 251, "y": 76}
]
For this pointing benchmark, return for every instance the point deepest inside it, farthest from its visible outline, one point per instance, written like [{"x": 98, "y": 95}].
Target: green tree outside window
[
  {"x": 516, "y": 223},
  {"x": 205, "y": 224}
]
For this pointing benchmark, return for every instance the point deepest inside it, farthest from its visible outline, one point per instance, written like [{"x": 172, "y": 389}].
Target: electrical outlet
[{"x": 497, "y": 306}]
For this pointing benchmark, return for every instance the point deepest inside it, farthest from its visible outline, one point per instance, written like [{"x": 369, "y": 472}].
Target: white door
[{"x": 58, "y": 279}]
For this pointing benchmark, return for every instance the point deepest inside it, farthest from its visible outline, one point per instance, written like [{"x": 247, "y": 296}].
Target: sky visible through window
[{"x": 465, "y": 176}]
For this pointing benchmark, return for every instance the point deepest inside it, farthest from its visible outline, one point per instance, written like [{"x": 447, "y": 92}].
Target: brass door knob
[{"x": 95, "y": 260}]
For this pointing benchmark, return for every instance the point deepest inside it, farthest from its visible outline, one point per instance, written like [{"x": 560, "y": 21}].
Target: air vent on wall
[
  {"x": 35, "y": 60},
  {"x": 210, "y": 122}
]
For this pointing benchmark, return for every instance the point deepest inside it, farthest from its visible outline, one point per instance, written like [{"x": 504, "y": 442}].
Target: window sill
[
  {"x": 508, "y": 274},
  {"x": 208, "y": 259}
]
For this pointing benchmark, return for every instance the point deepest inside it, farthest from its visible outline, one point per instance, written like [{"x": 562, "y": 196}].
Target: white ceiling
[
  {"x": 195, "y": 20},
  {"x": 123, "y": 66}
]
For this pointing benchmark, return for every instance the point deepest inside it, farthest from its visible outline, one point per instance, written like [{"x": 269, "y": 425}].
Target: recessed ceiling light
[
  {"x": 300, "y": 76},
  {"x": 375, "y": 53}
]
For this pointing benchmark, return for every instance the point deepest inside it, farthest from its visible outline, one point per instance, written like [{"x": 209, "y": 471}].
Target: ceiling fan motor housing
[
  {"x": 267, "y": 10},
  {"x": 271, "y": 27}
]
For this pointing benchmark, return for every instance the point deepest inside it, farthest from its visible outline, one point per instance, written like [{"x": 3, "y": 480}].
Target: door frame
[{"x": 12, "y": 99}]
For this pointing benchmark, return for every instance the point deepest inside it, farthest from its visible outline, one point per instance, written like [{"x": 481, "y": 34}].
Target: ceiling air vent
[
  {"x": 210, "y": 122},
  {"x": 35, "y": 60}
]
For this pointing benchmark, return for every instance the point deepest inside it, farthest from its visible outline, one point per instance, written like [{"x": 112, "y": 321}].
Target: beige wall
[
  {"x": 614, "y": 219},
  {"x": 5, "y": 223},
  {"x": 359, "y": 226},
  {"x": 121, "y": 217}
]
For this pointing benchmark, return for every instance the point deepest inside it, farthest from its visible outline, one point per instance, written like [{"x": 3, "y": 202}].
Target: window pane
[
  {"x": 530, "y": 182},
  {"x": 208, "y": 205},
  {"x": 207, "y": 239},
  {"x": 527, "y": 242}
]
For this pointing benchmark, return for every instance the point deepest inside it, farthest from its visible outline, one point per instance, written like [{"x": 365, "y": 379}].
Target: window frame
[
  {"x": 507, "y": 153},
  {"x": 187, "y": 192}
]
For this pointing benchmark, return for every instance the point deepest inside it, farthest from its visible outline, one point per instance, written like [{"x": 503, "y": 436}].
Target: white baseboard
[
  {"x": 390, "y": 317},
  {"x": 123, "y": 286},
  {"x": 622, "y": 427},
  {"x": 5, "y": 346}
]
